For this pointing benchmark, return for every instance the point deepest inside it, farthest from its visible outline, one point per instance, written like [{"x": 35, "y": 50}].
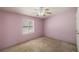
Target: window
[{"x": 28, "y": 26}]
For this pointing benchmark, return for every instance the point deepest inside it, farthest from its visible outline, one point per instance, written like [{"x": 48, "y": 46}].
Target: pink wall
[
  {"x": 61, "y": 26},
  {"x": 11, "y": 32}
]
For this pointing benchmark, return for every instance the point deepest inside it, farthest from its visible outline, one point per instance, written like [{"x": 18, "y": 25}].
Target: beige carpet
[{"x": 43, "y": 44}]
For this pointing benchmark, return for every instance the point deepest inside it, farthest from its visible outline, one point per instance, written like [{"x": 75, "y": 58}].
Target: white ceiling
[{"x": 32, "y": 11}]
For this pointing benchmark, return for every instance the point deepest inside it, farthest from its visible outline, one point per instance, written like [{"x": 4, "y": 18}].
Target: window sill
[{"x": 27, "y": 33}]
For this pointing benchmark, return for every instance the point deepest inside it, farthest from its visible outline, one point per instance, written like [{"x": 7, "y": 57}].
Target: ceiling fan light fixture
[{"x": 44, "y": 11}]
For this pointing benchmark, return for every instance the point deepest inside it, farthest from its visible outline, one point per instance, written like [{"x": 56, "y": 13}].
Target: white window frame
[{"x": 26, "y": 26}]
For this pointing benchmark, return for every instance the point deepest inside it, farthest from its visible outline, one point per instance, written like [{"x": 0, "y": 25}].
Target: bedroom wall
[
  {"x": 62, "y": 26},
  {"x": 0, "y": 29},
  {"x": 11, "y": 32}
]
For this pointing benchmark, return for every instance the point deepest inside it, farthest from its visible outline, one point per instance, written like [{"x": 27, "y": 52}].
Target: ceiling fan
[{"x": 43, "y": 11}]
